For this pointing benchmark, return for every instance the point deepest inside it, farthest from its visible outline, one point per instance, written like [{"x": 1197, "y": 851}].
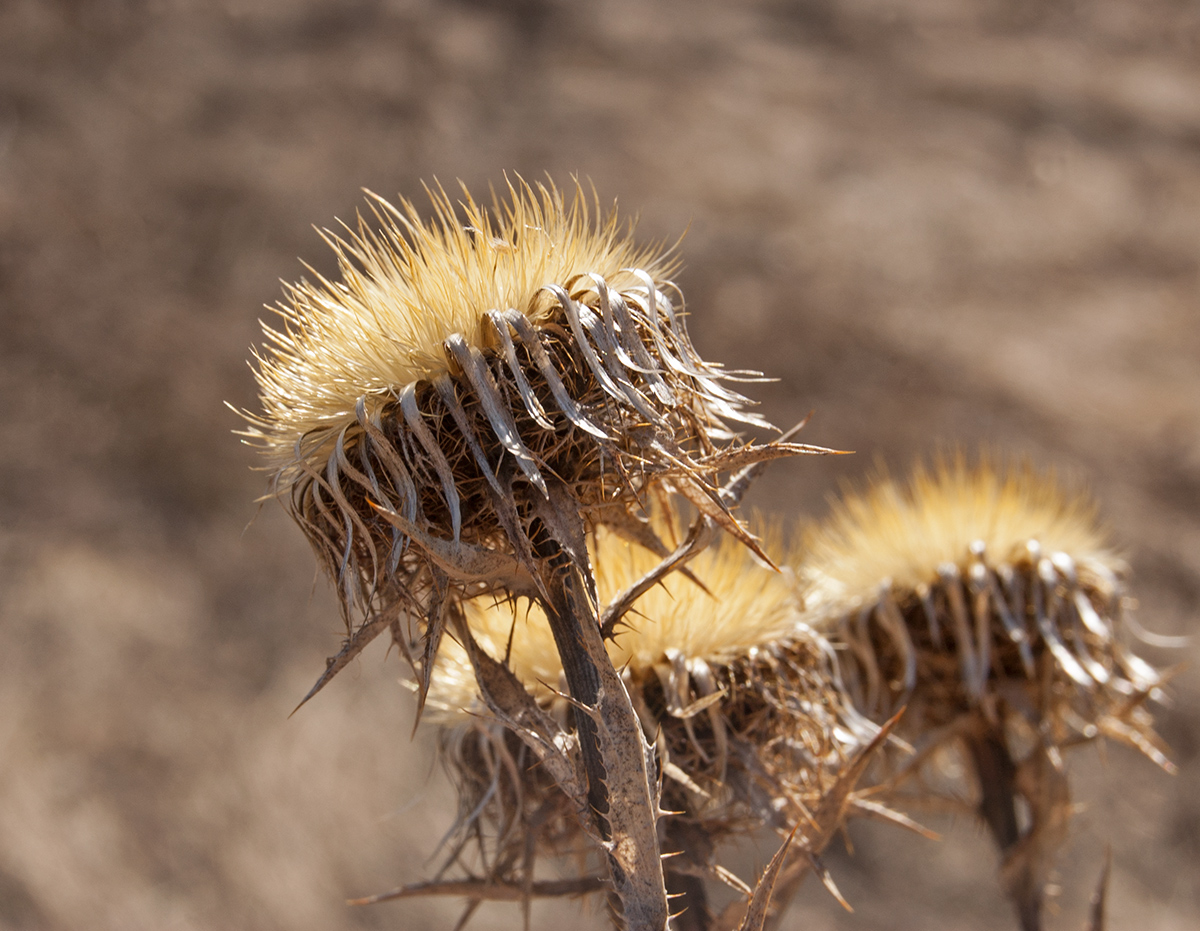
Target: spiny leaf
[
  {"x": 882, "y": 812},
  {"x": 480, "y": 377},
  {"x": 530, "y": 340},
  {"x": 507, "y": 698},
  {"x": 508, "y": 349},
  {"x": 756, "y": 914},
  {"x": 352, "y": 647},
  {"x": 573, "y": 312},
  {"x": 416, "y": 423},
  {"x": 435, "y": 626},
  {"x": 466, "y": 562},
  {"x": 488, "y": 890}
]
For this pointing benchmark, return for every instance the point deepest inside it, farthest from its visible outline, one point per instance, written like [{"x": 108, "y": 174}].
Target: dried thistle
[
  {"x": 450, "y": 418},
  {"x": 740, "y": 693},
  {"x": 989, "y": 602}
]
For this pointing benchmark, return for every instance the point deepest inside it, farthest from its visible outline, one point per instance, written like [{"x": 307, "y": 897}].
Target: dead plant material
[
  {"x": 989, "y": 603},
  {"x": 453, "y": 416},
  {"x": 417, "y": 411},
  {"x": 736, "y": 693}
]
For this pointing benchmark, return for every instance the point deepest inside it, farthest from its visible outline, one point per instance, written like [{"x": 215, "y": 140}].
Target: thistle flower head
[
  {"x": 751, "y": 729},
  {"x": 994, "y": 567},
  {"x": 420, "y": 412},
  {"x": 988, "y": 602}
]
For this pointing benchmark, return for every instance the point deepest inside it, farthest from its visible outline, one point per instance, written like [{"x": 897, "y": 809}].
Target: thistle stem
[
  {"x": 614, "y": 751},
  {"x": 997, "y": 774},
  {"x": 997, "y": 784},
  {"x": 686, "y": 885}
]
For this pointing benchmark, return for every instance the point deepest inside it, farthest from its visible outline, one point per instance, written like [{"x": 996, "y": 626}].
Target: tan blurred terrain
[{"x": 935, "y": 221}]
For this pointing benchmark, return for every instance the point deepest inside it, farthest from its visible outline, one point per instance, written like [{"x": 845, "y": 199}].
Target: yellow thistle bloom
[{"x": 989, "y": 603}]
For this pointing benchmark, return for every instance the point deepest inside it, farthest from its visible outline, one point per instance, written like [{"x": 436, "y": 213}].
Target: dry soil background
[{"x": 936, "y": 222}]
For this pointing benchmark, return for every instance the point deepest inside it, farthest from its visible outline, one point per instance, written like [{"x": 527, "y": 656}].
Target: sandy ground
[{"x": 935, "y": 221}]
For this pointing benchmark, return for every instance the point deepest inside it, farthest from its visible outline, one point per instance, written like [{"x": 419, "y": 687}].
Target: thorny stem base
[
  {"x": 685, "y": 879},
  {"x": 579, "y": 669}
]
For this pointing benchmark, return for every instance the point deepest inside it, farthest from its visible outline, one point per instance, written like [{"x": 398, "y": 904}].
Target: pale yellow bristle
[
  {"x": 407, "y": 286},
  {"x": 905, "y": 532},
  {"x": 749, "y": 606}
]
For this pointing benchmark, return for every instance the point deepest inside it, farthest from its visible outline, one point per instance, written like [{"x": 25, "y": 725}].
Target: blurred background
[{"x": 936, "y": 222}]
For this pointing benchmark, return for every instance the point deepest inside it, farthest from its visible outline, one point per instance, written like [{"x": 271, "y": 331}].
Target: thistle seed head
[
  {"x": 736, "y": 690},
  {"x": 890, "y": 531},
  {"x": 417, "y": 412},
  {"x": 988, "y": 602},
  {"x": 967, "y": 581}
]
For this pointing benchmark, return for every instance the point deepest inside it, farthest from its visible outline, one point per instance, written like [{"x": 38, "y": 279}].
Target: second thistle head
[
  {"x": 989, "y": 603},
  {"x": 972, "y": 583}
]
